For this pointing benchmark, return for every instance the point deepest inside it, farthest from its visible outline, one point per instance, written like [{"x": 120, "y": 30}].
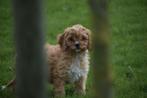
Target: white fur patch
[{"x": 76, "y": 71}]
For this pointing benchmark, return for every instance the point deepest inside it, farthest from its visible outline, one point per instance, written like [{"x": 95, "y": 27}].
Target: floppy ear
[
  {"x": 60, "y": 39},
  {"x": 89, "y": 39}
]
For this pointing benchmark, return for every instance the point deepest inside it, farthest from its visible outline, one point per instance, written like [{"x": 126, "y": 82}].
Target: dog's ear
[
  {"x": 60, "y": 39},
  {"x": 89, "y": 39},
  {"x": 84, "y": 29}
]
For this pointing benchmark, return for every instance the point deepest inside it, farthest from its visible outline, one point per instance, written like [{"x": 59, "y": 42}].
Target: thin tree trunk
[
  {"x": 30, "y": 61},
  {"x": 100, "y": 44}
]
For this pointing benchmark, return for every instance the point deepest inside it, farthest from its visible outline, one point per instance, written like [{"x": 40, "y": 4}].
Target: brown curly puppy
[{"x": 68, "y": 60}]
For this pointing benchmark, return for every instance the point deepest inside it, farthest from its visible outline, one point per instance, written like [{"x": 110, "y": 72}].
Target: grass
[{"x": 128, "y": 46}]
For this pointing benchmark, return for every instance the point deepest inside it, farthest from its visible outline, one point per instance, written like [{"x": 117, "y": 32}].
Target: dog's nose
[{"x": 77, "y": 44}]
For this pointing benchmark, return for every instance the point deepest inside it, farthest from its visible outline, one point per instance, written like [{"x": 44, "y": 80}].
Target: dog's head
[{"x": 75, "y": 39}]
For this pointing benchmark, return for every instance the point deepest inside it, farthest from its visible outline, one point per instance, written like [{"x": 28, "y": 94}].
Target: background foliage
[{"x": 128, "y": 20}]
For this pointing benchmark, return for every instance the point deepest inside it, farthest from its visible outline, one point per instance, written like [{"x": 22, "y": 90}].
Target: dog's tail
[
  {"x": 3, "y": 87},
  {"x": 9, "y": 84}
]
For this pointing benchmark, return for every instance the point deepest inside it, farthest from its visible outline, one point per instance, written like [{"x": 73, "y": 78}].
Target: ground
[{"x": 128, "y": 19}]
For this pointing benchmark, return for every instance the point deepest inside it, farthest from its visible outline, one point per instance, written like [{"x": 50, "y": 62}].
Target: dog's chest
[{"x": 76, "y": 71}]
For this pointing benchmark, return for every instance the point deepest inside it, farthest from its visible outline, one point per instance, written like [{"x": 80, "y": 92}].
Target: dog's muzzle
[{"x": 77, "y": 45}]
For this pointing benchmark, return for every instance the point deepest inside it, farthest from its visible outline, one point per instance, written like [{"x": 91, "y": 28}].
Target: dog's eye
[
  {"x": 70, "y": 39},
  {"x": 84, "y": 38}
]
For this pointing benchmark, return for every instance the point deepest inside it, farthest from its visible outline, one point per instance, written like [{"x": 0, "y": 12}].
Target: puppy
[{"x": 69, "y": 60}]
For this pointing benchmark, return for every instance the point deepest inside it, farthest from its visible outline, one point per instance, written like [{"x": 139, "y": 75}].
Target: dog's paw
[{"x": 59, "y": 94}]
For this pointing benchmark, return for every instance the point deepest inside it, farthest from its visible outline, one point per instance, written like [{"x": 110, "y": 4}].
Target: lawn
[{"x": 128, "y": 19}]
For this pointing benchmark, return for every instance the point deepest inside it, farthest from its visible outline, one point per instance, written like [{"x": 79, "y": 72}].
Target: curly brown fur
[{"x": 69, "y": 59}]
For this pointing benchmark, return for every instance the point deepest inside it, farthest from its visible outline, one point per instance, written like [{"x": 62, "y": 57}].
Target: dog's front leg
[
  {"x": 80, "y": 86},
  {"x": 58, "y": 88}
]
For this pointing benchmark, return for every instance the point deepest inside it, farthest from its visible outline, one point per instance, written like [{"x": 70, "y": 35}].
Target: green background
[{"x": 128, "y": 19}]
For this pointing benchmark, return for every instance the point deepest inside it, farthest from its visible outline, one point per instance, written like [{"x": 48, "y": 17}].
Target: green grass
[
  {"x": 129, "y": 38},
  {"x": 128, "y": 20}
]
